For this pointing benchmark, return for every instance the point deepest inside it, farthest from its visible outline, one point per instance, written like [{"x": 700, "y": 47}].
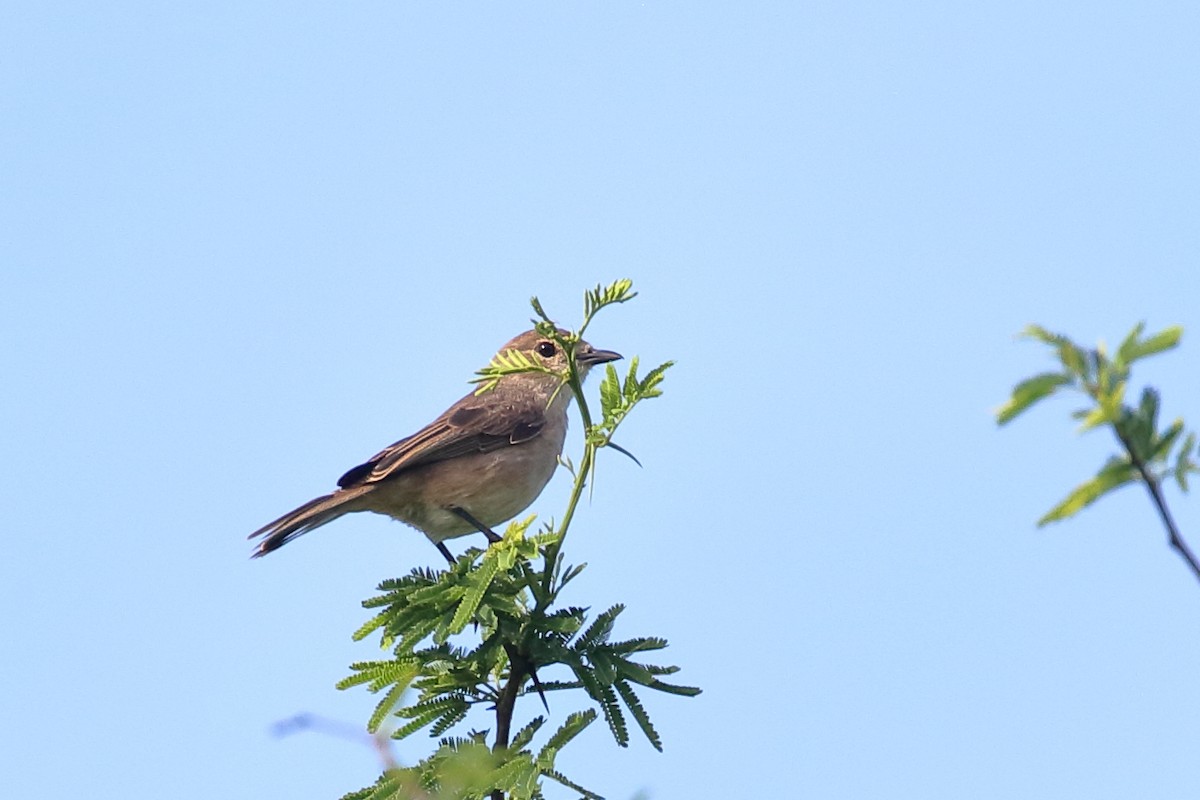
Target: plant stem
[
  {"x": 1176, "y": 540},
  {"x": 1154, "y": 487},
  {"x": 552, "y": 551},
  {"x": 581, "y": 474},
  {"x": 507, "y": 701}
]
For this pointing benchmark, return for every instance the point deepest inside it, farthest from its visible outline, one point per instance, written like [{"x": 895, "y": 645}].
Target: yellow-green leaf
[
  {"x": 1112, "y": 476},
  {"x": 1028, "y": 392},
  {"x": 1163, "y": 340}
]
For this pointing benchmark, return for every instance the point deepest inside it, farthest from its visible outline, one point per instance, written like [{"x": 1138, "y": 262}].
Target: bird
[{"x": 480, "y": 463}]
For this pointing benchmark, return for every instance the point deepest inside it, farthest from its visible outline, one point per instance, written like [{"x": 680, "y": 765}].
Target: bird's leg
[
  {"x": 445, "y": 551},
  {"x": 484, "y": 529}
]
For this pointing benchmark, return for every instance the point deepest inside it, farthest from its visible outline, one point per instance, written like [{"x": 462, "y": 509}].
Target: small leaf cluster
[
  {"x": 1149, "y": 454},
  {"x": 419, "y": 614},
  {"x": 605, "y": 671},
  {"x": 465, "y": 767},
  {"x": 620, "y": 291},
  {"x": 521, "y": 636},
  {"x": 508, "y": 362},
  {"x": 618, "y": 398}
]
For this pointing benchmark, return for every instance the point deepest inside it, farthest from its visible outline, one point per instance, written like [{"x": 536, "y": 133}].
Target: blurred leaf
[
  {"x": 1094, "y": 418},
  {"x": 1117, "y": 472},
  {"x": 1028, "y": 392},
  {"x": 1162, "y": 448},
  {"x": 1128, "y": 346},
  {"x": 1042, "y": 335},
  {"x": 1163, "y": 340},
  {"x": 1072, "y": 356},
  {"x": 1184, "y": 463}
]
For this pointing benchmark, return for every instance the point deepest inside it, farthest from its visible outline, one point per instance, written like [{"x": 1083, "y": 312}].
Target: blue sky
[{"x": 247, "y": 245}]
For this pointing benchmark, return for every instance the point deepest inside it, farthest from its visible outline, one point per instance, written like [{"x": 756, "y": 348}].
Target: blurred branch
[
  {"x": 1104, "y": 380},
  {"x": 1154, "y": 487},
  {"x": 380, "y": 741}
]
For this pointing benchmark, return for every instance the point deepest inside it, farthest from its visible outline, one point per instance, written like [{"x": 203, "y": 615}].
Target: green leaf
[
  {"x": 541, "y": 312},
  {"x": 1163, "y": 340},
  {"x": 525, "y": 735},
  {"x": 385, "y": 706},
  {"x": 635, "y": 672},
  {"x": 600, "y": 628},
  {"x": 572, "y": 573},
  {"x": 1072, "y": 356},
  {"x": 517, "y": 777},
  {"x": 574, "y": 725},
  {"x": 446, "y": 710},
  {"x": 1100, "y": 415},
  {"x": 607, "y": 698},
  {"x": 1042, "y": 335},
  {"x": 639, "y": 644},
  {"x": 558, "y": 776},
  {"x": 1028, "y": 392},
  {"x": 610, "y": 390},
  {"x": 1129, "y": 344},
  {"x": 1116, "y": 473},
  {"x": 603, "y": 667},
  {"x": 619, "y": 291},
  {"x": 673, "y": 688},
  {"x": 649, "y": 384},
  {"x": 1148, "y": 407},
  {"x": 1184, "y": 463},
  {"x": 478, "y": 582},
  {"x": 1162, "y": 448},
  {"x": 629, "y": 388},
  {"x": 639, "y": 714},
  {"x": 449, "y": 719}
]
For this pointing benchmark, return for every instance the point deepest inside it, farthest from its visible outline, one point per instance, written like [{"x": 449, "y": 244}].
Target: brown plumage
[{"x": 480, "y": 463}]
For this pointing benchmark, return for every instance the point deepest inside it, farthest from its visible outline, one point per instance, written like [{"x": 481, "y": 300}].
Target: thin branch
[
  {"x": 506, "y": 704},
  {"x": 1155, "y": 489},
  {"x": 1176, "y": 539},
  {"x": 332, "y": 727},
  {"x": 581, "y": 473}
]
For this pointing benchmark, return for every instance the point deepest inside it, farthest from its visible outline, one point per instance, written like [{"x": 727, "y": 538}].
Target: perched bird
[{"x": 482, "y": 462}]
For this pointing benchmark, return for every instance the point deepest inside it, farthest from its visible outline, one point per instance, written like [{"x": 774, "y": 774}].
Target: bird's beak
[{"x": 592, "y": 356}]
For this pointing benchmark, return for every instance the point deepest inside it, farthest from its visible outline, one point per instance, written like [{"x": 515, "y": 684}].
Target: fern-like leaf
[
  {"x": 480, "y": 582},
  {"x": 385, "y": 706},
  {"x": 524, "y": 736},
  {"x": 555, "y": 775},
  {"x": 572, "y": 727},
  {"x": 639, "y": 714},
  {"x": 600, "y": 628}
]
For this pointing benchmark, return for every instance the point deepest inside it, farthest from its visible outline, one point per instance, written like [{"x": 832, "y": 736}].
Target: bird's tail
[{"x": 312, "y": 514}]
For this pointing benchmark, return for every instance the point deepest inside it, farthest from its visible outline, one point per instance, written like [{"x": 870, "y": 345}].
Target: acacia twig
[{"x": 1154, "y": 487}]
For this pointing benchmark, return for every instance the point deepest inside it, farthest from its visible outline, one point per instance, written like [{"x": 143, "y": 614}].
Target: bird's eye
[{"x": 545, "y": 349}]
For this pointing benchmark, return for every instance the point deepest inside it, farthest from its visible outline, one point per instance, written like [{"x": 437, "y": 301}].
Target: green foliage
[
  {"x": 1104, "y": 380},
  {"x": 467, "y": 768},
  {"x": 438, "y": 671},
  {"x": 507, "y": 362}
]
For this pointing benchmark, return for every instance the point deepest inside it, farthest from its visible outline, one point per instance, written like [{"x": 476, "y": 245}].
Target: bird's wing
[{"x": 472, "y": 425}]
